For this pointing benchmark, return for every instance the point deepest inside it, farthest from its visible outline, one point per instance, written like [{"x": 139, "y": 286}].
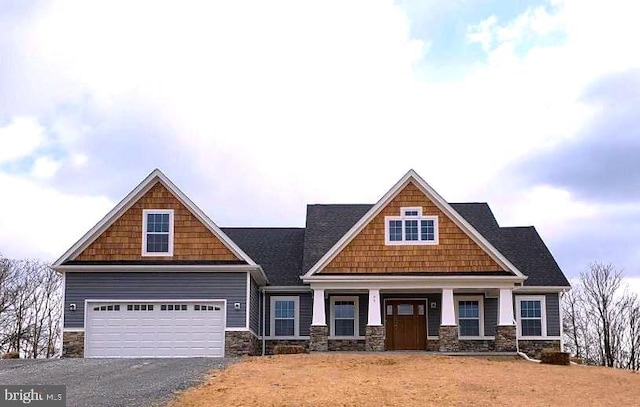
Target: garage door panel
[{"x": 148, "y": 330}]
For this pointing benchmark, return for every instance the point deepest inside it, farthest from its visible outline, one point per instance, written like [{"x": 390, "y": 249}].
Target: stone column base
[
  {"x": 374, "y": 338},
  {"x": 73, "y": 344},
  {"x": 318, "y": 338},
  {"x": 240, "y": 343},
  {"x": 449, "y": 338},
  {"x": 505, "y": 338}
]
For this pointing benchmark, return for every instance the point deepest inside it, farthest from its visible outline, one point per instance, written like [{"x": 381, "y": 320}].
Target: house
[{"x": 158, "y": 278}]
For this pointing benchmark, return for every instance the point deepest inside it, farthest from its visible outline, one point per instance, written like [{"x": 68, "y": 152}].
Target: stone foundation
[
  {"x": 505, "y": 338},
  {"x": 318, "y": 338},
  {"x": 374, "y": 338},
  {"x": 270, "y": 344},
  {"x": 346, "y": 345},
  {"x": 433, "y": 345},
  {"x": 240, "y": 343},
  {"x": 533, "y": 349},
  {"x": 449, "y": 338},
  {"x": 73, "y": 344},
  {"x": 476, "y": 345}
]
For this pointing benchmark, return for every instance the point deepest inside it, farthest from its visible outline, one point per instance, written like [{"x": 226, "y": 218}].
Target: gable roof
[
  {"x": 277, "y": 250},
  {"x": 521, "y": 245},
  {"x": 412, "y": 177},
  {"x": 152, "y": 179}
]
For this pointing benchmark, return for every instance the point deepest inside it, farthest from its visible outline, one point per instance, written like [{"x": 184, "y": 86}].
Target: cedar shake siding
[
  {"x": 367, "y": 252},
  {"x": 123, "y": 239},
  {"x": 230, "y": 286}
]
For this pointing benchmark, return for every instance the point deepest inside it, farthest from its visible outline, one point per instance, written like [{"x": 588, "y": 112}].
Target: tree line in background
[
  {"x": 602, "y": 319},
  {"x": 30, "y": 308}
]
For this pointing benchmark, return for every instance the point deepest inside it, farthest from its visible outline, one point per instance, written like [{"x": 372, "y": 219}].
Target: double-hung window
[
  {"x": 411, "y": 228},
  {"x": 344, "y": 317},
  {"x": 157, "y": 232},
  {"x": 470, "y": 316},
  {"x": 531, "y": 315},
  {"x": 285, "y": 314}
]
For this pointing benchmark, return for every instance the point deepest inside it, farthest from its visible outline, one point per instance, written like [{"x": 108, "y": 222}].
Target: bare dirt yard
[{"x": 410, "y": 380}]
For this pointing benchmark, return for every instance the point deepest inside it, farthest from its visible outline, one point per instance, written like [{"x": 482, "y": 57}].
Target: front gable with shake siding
[{"x": 157, "y": 277}]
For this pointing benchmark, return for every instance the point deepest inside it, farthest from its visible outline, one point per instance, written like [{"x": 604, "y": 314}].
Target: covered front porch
[{"x": 413, "y": 313}]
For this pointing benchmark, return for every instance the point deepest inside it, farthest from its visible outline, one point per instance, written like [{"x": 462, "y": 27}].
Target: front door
[{"x": 406, "y": 324}]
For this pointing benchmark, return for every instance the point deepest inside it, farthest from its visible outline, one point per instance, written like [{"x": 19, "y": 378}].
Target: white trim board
[
  {"x": 412, "y": 177},
  {"x": 128, "y": 201}
]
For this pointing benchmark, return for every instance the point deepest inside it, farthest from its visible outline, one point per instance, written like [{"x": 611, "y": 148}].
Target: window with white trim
[
  {"x": 285, "y": 316},
  {"x": 531, "y": 314},
  {"x": 411, "y": 228},
  {"x": 157, "y": 232},
  {"x": 470, "y": 316},
  {"x": 344, "y": 316}
]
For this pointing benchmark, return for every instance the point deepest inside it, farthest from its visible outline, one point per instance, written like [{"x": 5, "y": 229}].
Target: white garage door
[{"x": 155, "y": 329}]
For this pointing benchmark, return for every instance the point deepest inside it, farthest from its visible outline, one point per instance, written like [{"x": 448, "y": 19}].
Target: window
[
  {"x": 285, "y": 312},
  {"x": 411, "y": 228},
  {"x": 531, "y": 313},
  {"x": 157, "y": 232},
  {"x": 470, "y": 313},
  {"x": 344, "y": 316}
]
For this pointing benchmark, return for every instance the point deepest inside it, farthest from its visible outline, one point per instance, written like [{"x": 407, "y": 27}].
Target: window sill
[
  {"x": 286, "y": 338},
  {"x": 348, "y": 338},
  {"x": 166, "y": 254},
  {"x": 476, "y": 338},
  {"x": 538, "y": 338}
]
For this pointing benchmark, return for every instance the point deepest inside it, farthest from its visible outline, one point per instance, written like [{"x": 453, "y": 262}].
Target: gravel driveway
[{"x": 112, "y": 382}]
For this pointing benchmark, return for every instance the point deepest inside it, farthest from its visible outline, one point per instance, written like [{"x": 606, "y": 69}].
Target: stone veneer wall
[
  {"x": 476, "y": 345},
  {"x": 73, "y": 344},
  {"x": 272, "y": 343},
  {"x": 374, "y": 338},
  {"x": 346, "y": 345},
  {"x": 241, "y": 343},
  {"x": 534, "y": 348},
  {"x": 505, "y": 338},
  {"x": 449, "y": 338},
  {"x": 318, "y": 338}
]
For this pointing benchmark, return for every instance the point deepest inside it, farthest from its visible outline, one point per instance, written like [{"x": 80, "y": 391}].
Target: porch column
[
  {"x": 319, "y": 332},
  {"x": 374, "y": 331},
  {"x": 506, "y": 330},
  {"x": 448, "y": 327}
]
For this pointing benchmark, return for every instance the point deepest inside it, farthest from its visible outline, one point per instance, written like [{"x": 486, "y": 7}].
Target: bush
[
  {"x": 555, "y": 357},
  {"x": 288, "y": 349},
  {"x": 11, "y": 355}
]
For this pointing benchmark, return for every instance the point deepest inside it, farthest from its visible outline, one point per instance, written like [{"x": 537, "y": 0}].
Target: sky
[{"x": 255, "y": 109}]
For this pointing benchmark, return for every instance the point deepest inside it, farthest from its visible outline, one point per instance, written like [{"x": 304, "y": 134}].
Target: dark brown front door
[{"x": 406, "y": 324}]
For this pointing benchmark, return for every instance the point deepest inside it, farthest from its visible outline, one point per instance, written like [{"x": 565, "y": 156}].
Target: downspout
[{"x": 263, "y": 322}]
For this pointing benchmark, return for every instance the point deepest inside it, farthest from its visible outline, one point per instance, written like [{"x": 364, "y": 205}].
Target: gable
[
  {"x": 455, "y": 251},
  {"x": 122, "y": 240}
]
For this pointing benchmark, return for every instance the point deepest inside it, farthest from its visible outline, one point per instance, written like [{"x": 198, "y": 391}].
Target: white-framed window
[
  {"x": 157, "y": 232},
  {"x": 470, "y": 316},
  {"x": 411, "y": 228},
  {"x": 344, "y": 317},
  {"x": 532, "y": 316},
  {"x": 285, "y": 316}
]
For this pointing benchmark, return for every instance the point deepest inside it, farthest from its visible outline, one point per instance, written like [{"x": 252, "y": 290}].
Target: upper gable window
[
  {"x": 411, "y": 228},
  {"x": 157, "y": 232}
]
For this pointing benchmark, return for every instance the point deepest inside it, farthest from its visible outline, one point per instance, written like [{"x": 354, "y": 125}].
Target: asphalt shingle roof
[{"x": 287, "y": 253}]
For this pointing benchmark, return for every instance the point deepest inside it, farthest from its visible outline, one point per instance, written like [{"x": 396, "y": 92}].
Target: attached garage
[{"x": 148, "y": 329}]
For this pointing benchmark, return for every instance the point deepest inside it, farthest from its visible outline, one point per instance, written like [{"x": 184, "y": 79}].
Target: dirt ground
[{"x": 410, "y": 380}]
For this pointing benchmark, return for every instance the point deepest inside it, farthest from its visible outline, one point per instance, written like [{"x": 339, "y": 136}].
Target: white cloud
[
  {"x": 20, "y": 138},
  {"x": 41, "y": 222},
  {"x": 45, "y": 167}
]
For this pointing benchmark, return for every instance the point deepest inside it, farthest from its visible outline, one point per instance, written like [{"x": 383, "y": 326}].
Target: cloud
[
  {"x": 599, "y": 163},
  {"x": 20, "y": 138}
]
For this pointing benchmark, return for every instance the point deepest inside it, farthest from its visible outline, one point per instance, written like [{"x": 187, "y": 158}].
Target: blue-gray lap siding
[
  {"x": 306, "y": 310},
  {"x": 254, "y": 308},
  {"x": 155, "y": 286}
]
